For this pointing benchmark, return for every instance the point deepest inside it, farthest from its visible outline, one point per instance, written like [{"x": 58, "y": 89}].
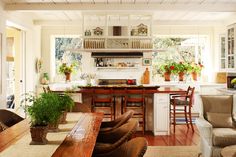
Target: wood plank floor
[{"x": 182, "y": 137}]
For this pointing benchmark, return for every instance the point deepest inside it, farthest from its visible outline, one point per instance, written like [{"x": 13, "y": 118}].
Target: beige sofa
[{"x": 216, "y": 124}]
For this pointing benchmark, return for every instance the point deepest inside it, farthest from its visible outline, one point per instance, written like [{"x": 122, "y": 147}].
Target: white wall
[
  {"x": 211, "y": 58},
  {"x": 3, "y": 56},
  {"x": 32, "y": 47}
]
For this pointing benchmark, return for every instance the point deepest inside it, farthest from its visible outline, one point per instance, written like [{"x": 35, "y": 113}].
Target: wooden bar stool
[
  {"x": 182, "y": 104},
  {"x": 103, "y": 100},
  {"x": 134, "y": 100}
]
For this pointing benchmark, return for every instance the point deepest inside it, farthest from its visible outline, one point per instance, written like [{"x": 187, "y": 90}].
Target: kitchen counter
[{"x": 227, "y": 90}]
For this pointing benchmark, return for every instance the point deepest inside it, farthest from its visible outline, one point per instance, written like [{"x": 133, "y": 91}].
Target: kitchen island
[{"x": 157, "y": 102}]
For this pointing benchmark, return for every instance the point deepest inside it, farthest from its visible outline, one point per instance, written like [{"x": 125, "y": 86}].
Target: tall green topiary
[
  {"x": 66, "y": 102},
  {"x": 45, "y": 109}
]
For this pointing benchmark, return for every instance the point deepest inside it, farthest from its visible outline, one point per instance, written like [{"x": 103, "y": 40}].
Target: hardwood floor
[{"x": 182, "y": 137}]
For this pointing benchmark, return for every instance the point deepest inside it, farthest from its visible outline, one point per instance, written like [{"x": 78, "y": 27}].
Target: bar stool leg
[
  {"x": 190, "y": 118},
  {"x": 174, "y": 120},
  {"x": 185, "y": 114}
]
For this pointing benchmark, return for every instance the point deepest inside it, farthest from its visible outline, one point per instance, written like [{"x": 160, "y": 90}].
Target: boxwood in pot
[
  {"x": 44, "y": 111},
  {"x": 66, "y": 104}
]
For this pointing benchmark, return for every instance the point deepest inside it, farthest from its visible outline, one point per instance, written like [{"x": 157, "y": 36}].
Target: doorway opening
[{"x": 15, "y": 69}]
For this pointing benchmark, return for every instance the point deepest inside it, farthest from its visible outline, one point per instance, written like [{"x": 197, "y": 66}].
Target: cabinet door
[
  {"x": 230, "y": 48},
  {"x": 222, "y": 52},
  {"x": 161, "y": 114}
]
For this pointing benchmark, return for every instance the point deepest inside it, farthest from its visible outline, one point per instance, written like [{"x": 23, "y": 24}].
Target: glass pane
[
  {"x": 222, "y": 47},
  {"x": 231, "y": 62},
  {"x": 222, "y": 63}
]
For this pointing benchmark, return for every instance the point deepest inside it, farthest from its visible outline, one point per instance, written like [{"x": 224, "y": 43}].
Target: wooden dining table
[{"x": 77, "y": 138}]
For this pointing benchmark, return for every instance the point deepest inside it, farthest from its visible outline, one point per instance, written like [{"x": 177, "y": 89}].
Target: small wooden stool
[{"x": 229, "y": 151}]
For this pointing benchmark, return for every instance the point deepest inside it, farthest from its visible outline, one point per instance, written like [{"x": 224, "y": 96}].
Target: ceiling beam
[
  {"x": 156, "y": 22},
  {"x": 111, "y": 6}
]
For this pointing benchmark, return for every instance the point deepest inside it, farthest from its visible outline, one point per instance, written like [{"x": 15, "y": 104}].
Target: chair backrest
[
  {"x": 136, "y": 147},
  {"x": 190, "y": 93},
  {"x": 217, "y": 104},
  {"x": 46, "y": 89},
  {"x": 117, "y": 122},
  {"x": 102, "y": 93},
  {"x": 136, "y": 93},
  {"x": 9, "y": 118},
  {"x": 115, "y": 138}
]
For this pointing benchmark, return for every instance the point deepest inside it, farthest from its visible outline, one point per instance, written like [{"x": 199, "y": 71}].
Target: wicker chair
[
  {"x": 110, "y": 141},
  {"x": 111, "y": 125},
  {"x": 9, "y": 118},
  {"x": 133, "y": 148}
]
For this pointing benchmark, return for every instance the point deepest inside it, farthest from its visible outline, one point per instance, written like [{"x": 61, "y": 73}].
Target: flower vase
[
  {"x": 68, "y": 76},
  {"x": 83, "y": 82},
  {"x": 167, "y": 76},
  {"x": 194, "y": 76},
  {"x": 181, "y": 76},
  {"x": 93, "y": 82}
]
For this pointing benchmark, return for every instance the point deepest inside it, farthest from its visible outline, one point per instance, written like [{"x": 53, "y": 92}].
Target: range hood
[{"x": 117, "y": 54}]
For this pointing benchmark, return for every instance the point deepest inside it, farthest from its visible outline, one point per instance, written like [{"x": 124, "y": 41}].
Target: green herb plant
[{"x": 45, "y": 109}]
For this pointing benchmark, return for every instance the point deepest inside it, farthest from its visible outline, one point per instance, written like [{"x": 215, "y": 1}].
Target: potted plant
[
  {"x": 43, "y": 111},
  {"x": 182, "y": 69},
  {"x": 168, "y": 69},
  {"x": 66, "y": 104},
  {"x": 196, "y": 70},
  {"x": 67, "y": 69},
  {"x": 233, "y": 82}
]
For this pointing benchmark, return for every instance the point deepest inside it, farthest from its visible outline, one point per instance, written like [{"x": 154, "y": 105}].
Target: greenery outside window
[{"x": 179, "y": 49}]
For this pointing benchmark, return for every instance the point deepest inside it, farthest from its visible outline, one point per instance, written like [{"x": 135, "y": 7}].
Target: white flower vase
[
  {"x": 93, "y": 82},
  {"x": 83, "y": 82}
]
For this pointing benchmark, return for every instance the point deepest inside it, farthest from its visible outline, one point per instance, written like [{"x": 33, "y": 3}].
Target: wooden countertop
[
  {"x": 121, "y": 89},
  {"x": 68, "y": 142}
]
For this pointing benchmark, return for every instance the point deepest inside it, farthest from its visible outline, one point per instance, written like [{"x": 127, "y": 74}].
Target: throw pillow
[{"x": 220, "y": 120}]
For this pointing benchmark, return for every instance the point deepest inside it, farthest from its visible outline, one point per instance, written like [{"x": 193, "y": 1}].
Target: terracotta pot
[
  {"x": 194, "y": 76},
  {"x": 38, "y": 135},
  {"x": 167, "y": 76},
  {"x": 181, "y": 76},
  {"x": 63, "y": 117},
  {"x": 54, "y": 126},
  {"x": 68, "y": 75}
]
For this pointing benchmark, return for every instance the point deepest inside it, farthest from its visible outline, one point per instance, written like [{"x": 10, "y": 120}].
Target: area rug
[{"x": 172, "y": 151}]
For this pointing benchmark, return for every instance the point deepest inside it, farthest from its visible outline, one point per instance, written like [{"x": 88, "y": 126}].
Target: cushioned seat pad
[
  {"x": 224, "y": 137},
  {"x": 179, "y": 102}
]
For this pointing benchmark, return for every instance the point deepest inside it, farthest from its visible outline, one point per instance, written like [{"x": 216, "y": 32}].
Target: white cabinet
[
  {"x": 117, "y": 32},
  {"x": 161, "y": 114},
  {"x": 230, "y": 49}
]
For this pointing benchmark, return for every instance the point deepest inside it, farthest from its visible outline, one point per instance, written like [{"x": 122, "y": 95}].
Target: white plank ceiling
[
  {"x": 125, "y": 1},
  {"x": 162, "y": 10}
]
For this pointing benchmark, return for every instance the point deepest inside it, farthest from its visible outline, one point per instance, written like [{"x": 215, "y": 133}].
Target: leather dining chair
[
  {"x": 136, "y": 147},
  {"x": 182, "y": 104},
  {"x": 107, "y": 126},
  {"x": 110, "y": 141},
  {"x": 9, "y": 118}
]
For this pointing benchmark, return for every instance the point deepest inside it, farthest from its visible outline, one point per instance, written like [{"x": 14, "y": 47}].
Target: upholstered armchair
[{"x": 216, "y": 124}]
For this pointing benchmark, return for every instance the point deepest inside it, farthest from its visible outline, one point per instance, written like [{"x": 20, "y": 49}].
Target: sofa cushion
[
  {"x": 217, "y": 104},
  {"x": 220, "y": 120},
  {"x": 222, "y": 137}
]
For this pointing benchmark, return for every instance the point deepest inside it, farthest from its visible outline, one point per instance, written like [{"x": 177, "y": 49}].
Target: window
[
  {"x": 179, "y": 49},
  {"x": 66, "y": 50}
]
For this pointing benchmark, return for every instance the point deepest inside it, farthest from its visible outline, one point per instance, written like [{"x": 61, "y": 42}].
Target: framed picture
[{"x": 147, "y": 61}]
